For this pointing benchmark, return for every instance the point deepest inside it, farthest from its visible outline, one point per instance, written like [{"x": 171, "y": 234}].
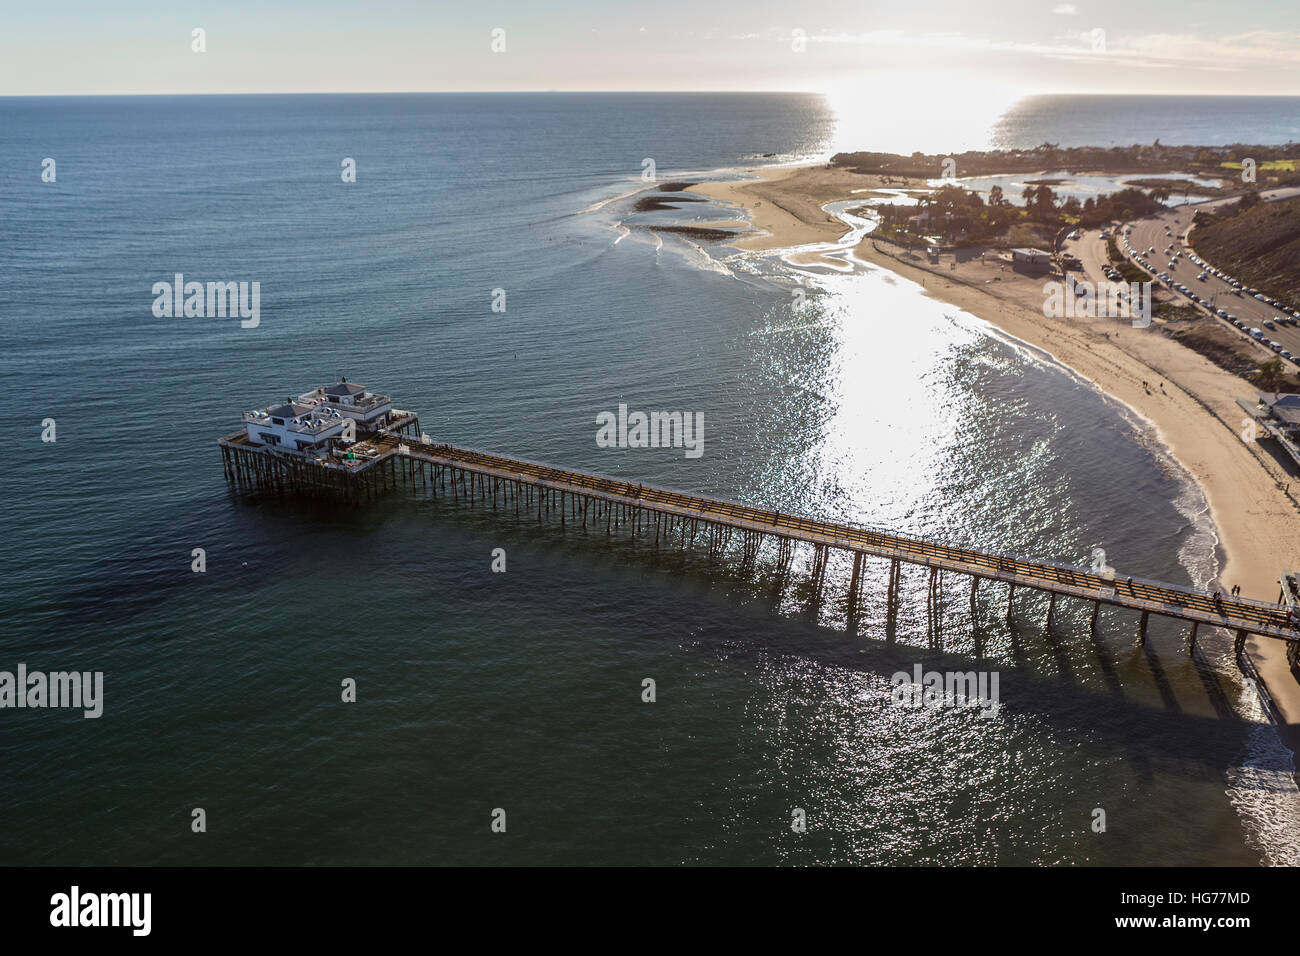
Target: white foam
[{"x": 1264, "y": 793}]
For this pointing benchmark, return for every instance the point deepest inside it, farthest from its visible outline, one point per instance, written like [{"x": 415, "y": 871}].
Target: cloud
[
  {"x": 1144, "y": 50},
  {"x": 1185, "y": 49},
  {"x": 1066, "y": 10}
]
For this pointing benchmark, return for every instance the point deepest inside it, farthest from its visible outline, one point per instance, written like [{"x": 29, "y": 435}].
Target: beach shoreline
[{"x": 1188, "y": 402}]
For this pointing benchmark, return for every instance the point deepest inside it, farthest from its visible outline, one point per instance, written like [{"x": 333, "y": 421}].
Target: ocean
[{"x": 522, "y": 691}]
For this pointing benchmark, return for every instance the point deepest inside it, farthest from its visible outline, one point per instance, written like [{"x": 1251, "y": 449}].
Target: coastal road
[
  {"x": 1090, "y": 250},
  {"x": 1168, "y": 230},
  {"x": 1268, "y": 195}
]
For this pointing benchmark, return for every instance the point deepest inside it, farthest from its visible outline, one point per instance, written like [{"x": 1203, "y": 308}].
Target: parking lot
[{"x": 1175, "y": 266}]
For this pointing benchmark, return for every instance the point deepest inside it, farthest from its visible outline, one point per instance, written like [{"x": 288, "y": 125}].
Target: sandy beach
[
  {"x": 1188, "y": 401},
  {"x": 785, "y": 203}
]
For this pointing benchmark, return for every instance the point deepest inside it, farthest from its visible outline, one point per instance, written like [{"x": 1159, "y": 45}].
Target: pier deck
[
  {"x": 1241, "y": 615},
  {"x": 394, "y": 455}
]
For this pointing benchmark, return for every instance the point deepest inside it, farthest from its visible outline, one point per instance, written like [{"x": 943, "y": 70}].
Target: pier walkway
[{"x": 487, "y": 475}]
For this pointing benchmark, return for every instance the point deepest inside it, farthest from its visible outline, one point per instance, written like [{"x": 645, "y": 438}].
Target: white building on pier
[
  {"x": 307, "y": 424},
  {"x": 292, "y": 427},
  {"x": 368, "y": 409}
]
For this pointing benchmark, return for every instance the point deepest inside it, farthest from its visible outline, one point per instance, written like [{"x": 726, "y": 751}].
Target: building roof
[
  {"x": 344, "y": 388},
  {"x": 1284, "y": 406},
  {"x": 1030, "y": 252},
  {"x": 289, "y": 410}
]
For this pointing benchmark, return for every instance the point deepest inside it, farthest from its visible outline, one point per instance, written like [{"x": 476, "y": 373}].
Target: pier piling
[{"x": 364, "y": 470}]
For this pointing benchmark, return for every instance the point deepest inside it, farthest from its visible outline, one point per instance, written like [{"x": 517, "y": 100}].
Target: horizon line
[{"x": 32, "y": 96}]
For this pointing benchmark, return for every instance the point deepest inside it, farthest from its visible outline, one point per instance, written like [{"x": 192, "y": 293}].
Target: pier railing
[
  {"x": 569, "y": 494},
  {"x": 1142, "y": 594}
]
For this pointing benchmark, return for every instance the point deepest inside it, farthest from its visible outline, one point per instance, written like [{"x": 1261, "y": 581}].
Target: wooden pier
[{"x": 394, "y": 457}]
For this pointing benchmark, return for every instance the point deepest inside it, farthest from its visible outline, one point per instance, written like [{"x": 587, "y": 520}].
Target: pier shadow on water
[{"x": 770, "y": 696}]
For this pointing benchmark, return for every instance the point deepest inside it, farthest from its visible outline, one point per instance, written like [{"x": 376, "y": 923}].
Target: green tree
[
  {"x": 1270, "y": 374},
  {"x": 1040, "y": 202}
]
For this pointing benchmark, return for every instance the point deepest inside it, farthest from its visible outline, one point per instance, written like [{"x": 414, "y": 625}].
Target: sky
[{"x": 844, "y": 48}]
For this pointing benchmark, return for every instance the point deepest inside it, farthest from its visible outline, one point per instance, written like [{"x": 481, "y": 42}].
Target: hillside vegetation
[
  {"x": 1274, "y": 163},
  {"x": 1259, "y": 244}
]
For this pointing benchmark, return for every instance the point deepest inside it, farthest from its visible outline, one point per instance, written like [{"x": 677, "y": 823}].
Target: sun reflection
[
  {"x": 895, "y": 418},
  {"x": 904, "y": 112}
]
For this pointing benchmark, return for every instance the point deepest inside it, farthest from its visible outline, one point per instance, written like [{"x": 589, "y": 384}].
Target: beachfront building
[
  {"x": 1279, "y": 415},
  {"x": 368, "y": 409},
  {"x": 293, "y": 426},
  {"x": 1283, "y": 406},
  {"x": 1031, "y": 257}
]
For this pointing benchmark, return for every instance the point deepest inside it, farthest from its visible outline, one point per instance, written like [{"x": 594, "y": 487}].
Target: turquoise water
[{"x": 522, "y": 690}]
